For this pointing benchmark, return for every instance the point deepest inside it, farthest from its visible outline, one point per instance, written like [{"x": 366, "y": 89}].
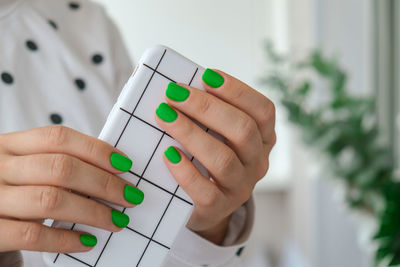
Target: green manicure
[
  {"x": 119, "y": 219},
  {"x": 120, "y": 162},
  {"x": 133, "y": 194},
  {"x": 212, "y": 78},
  {"x": 88, "y": 240},
  {"x": 166, "y": 113},
  {"x": 172, "y": 155},
  {"x": 177, "y": 92}
]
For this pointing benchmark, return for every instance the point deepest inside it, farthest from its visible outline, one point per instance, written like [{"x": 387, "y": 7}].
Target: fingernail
[
  {"x": 133, "y": 194},
  {"x": 212, "y": 78},
  {"x": 88, "y": 240},
  {"x": 119, "y": 219},
  {"x": 166, "y": 113},
  {"x": 120, "y": 162},
  {"x": 177, "y": 92},
  {"x": 172, "y": 155}
]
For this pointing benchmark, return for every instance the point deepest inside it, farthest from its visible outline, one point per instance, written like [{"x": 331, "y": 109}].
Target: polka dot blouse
[{"x": 62, "y": 62}]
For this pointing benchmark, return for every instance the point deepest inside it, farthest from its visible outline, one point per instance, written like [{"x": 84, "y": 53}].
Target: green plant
[{"x": 344, "y": 127}]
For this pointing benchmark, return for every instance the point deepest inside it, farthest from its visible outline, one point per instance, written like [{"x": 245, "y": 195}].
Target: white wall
[
  {"x": 342, "y": 28},
  {"x": 224, "y": 34},
  {"x": 345, "y": 28}
]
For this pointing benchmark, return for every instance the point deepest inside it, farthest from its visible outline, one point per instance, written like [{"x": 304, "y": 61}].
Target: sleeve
[
  {"x": 190, "y": 249},
  {"x": 120, "y": 58},
  {"x": 11, "y": 259}
]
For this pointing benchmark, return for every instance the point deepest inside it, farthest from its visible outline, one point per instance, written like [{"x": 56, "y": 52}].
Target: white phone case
[{"x": 131, "y": 127}]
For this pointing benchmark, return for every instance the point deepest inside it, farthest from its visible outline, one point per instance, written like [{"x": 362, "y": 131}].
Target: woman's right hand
[{"x": 40, "y": 169}]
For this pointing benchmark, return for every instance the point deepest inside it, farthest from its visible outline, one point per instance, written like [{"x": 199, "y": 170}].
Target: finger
[
  {"x": 60, "y": 139},
  {"x": 16, "y": 235},
  {"x": 237, "y": 127},
  {"x": 200, "y": 189},
  {"x": 68, "y": 172},
  {"x": 39, "y": 202},
  {"x": 243, "y": 97},
  {"x": 220, "y": 160}
]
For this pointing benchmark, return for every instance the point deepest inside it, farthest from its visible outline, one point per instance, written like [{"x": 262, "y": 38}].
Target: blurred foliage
[{"x": 344, "y": 127}]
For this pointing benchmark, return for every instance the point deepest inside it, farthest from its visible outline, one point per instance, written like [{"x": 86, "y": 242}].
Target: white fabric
[{"x": 44, "y": 83}]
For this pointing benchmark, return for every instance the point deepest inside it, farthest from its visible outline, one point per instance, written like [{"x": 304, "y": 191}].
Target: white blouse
[{"x": 64, "y": 62}]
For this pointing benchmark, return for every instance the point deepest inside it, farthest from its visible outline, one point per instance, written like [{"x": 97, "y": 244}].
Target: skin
[
  {"x": 44, "y": 171},
  {"x": 246, "y": 119}
]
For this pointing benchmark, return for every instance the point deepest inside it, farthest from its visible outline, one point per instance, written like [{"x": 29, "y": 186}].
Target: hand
[
  {"x": 40, "y": 169},
  {"x": 245, "y": 118}
]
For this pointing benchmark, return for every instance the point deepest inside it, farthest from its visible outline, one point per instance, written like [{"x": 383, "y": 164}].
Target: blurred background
[{"x": 302, "y": 216}]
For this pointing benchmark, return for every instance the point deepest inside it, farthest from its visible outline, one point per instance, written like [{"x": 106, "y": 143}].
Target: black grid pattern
[{"x": 140, "y": 176}]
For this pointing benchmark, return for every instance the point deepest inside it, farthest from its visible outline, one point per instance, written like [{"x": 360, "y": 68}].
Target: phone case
[{"x": 131, "y": 127}]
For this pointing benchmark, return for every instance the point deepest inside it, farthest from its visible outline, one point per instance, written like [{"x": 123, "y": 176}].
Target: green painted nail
[
  {"x": 88, "y": 240},
  {"x": 120, "y": 162},
  {"x": 177, "y": 92},
  {"x": 166, "y": 113},
  {"x": 212, "y": 78},
  {"x": 172, "y": 154},
  {"x": 119, "y": 219},
  {"x": 133, "y": 194}
]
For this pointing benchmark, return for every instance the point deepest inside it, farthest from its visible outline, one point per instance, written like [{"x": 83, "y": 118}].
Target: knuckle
[
  {"x": 247, "y": 129},
  {"x": 186, "y": 131},
  {"x": 204, "y": 104},
  {"x": 225, "y": 161},
  {"x": 238, "y": 95},
  {"x": 50, "y": 197},
  {"x": 273, "y": 139},
  {"x": 62, "y": 167},
  {"x": 267, "y": 112},
  {"x": 262, "y": 169},
  {"x": 4, "y": 164},
  {"x": 91, "y": 148},
  {"x": 190, "y": 180},
  {"x": 2, "y": 141},
  {"x": 63, "y": 241},
  {"x": 57, "y": 136},
  {"x": 31, "y": 234},
  {"x": 99, "y": 216},
  {"x": 107, "y": 185},
  {"x": 210, "y": 198}
]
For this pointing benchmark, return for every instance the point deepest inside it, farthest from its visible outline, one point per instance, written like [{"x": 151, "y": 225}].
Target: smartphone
[{"x": 131, "y": 127}]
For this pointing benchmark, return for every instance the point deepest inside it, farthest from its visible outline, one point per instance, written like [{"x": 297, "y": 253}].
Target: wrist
[{"x": 217, "y": 233}]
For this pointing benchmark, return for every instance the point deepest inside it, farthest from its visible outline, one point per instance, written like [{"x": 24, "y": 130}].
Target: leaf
[
  {"x": 344, "y": 123},
  {"x": 304, "y": 88},
  {"x": 272, "y": 54}
]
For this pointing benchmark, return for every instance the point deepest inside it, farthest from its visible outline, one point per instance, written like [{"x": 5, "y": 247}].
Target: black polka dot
[
  {"x": 55, "y": 118},
  {"x": 7, "y": 78},
  {"x": 52, "y": 24},
  {"x": 31, "y": 45},
  {"x": 80, "y": 84},
  {"x": 97, "y": 59},
  {"x": 239, "y": 251},
  {"x": 74, "y": 5}
]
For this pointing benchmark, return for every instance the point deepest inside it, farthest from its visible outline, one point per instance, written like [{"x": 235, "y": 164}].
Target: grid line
[
  {"x": 148, "y": 123},
  {"x": 156, "y": 71},
  {"x": 140, "y": 98},
  {"x": 160, "y": 187},
  {"x": 141, "y": 177},
  {"x": 158, "y": 224},
  {"x": 119, "y": 138},
  {"x": 169, "y": 203},
  {"x": 81, "y": 261},
  {"x": 155, "y": 241}
]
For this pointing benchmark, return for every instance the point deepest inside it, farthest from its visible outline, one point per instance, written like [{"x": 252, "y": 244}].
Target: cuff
[
  {"x": 191, "y": 249},
  {"x": 11, "y": 259}
]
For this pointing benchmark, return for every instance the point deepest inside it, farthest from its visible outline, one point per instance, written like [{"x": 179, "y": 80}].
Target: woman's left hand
[{"x": 245, "y": 118}]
